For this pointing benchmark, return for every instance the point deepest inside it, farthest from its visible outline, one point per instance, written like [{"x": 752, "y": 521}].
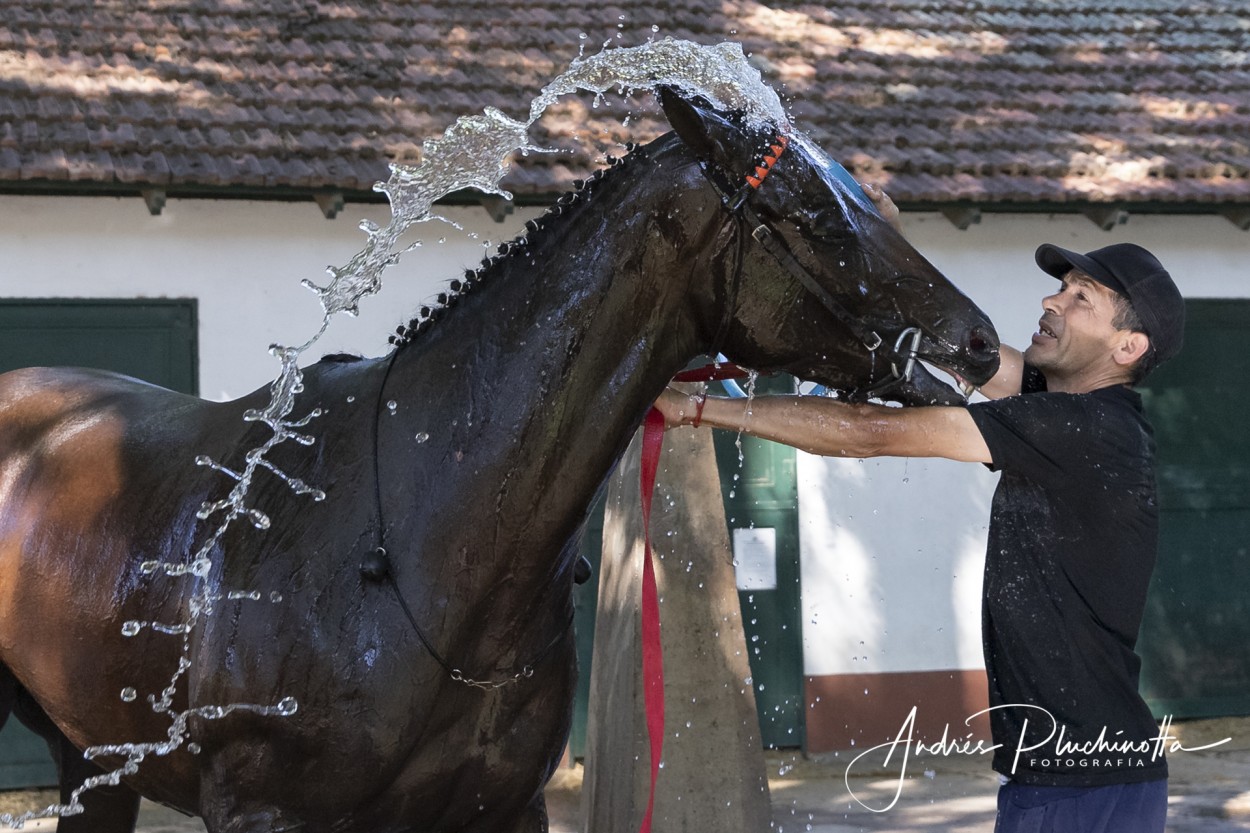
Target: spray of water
[{"x": 473, "y": 153}]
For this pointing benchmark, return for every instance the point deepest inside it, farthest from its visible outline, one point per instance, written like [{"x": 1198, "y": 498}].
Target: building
[{"x": 207, "y": 156}]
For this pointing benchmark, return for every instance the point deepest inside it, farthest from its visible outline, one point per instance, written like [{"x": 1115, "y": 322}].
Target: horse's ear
[{"x": 704, "y": 131}]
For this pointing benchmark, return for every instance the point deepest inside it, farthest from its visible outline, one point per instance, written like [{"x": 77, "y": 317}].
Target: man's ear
[
  {"x": 711, "y": 136},
  {"x": 1133, "y": 345}
]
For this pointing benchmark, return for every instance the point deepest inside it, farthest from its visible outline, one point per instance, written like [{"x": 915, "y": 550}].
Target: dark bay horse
[{"x": 512, "y": 404}]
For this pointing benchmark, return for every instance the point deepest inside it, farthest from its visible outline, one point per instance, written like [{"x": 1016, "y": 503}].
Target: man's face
[{"x": 1075, "y": 337}]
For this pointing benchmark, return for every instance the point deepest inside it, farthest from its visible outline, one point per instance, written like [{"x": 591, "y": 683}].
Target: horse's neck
[{"x": 538, "y": 378}]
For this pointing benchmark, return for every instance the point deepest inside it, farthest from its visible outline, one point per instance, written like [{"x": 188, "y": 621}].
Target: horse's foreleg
[
  {"x": 8, "y": 693},
  {"x": 107, "y": 809},
  {"x": 533, "y": 819}
]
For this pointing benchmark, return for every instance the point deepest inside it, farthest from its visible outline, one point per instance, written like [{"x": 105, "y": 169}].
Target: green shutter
[
  {"x": 151, "y": 340},
  {"x": 1195, "y": 640}
]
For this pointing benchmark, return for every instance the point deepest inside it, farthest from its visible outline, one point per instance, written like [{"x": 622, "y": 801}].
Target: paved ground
[{"x": 1210, "y": 793}]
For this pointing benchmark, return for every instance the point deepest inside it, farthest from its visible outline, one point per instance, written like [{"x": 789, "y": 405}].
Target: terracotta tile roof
[{"x": 987, "y": 101}]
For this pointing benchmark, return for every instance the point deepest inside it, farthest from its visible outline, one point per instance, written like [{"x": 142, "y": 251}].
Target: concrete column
[{"x": 713, "y": 775}]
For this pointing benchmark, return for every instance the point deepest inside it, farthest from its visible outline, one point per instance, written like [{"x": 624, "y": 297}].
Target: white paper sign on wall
[{"x": 755, "y": 558}]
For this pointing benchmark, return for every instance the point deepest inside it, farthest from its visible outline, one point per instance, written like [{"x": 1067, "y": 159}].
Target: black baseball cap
[{"x": 1137, "y": 275}]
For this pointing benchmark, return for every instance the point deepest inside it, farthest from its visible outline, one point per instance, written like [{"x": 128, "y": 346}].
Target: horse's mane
[
  {"x": 535, "y": 229},
  {"x": 341, "y": 358}
]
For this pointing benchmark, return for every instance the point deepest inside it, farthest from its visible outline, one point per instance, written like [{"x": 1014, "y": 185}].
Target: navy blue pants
[{"x": 1119, "y": 808}]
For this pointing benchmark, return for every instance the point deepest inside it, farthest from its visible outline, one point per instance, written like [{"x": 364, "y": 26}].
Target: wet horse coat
[{"x": 513, "y": 404}]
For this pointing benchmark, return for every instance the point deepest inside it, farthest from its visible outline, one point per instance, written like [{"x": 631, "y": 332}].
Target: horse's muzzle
[{"x": 982, "y": 354}]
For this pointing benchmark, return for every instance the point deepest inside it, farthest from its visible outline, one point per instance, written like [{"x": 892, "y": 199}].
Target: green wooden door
[
  {"x": 1195, "y": 640},
  {"x": 759, "y": 483},
  {"x": 153, "y": 340}
]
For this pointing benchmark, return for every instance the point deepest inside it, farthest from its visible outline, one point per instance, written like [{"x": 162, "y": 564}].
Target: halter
[{"x": 737, "y": 203}]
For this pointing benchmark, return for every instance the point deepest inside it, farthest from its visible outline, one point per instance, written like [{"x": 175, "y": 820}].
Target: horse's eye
[{"x": 828, "y": 222}]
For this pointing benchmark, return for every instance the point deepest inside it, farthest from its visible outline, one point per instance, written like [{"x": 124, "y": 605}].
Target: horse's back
[
  {"x": 37, "y": 401},
  {"x": 67, "y": 439},
  {"x": 74, "y": 455}
]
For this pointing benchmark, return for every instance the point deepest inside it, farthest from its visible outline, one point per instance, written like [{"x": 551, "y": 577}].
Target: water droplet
[
  {"x": 193, "y": 748},
  {"x": 129, "y": 695},
  {"x": 275, "y": 597},
  {"x": 149, "y": 567},
  {"x": 422, "y": 437},
  {"x": 132, "y": 627},
  {"x": 287, "y": 706}
]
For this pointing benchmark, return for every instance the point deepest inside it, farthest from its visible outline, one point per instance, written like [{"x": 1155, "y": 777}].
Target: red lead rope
[
  {"x": 652, "y": 651},
  {"x": 712, "y": 373}
]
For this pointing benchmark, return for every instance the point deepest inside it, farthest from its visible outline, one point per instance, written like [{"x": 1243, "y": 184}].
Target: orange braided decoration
[{"x": 766, "y": 164}]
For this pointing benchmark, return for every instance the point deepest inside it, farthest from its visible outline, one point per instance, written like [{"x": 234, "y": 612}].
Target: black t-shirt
[{"x": 1072, "y": 542}]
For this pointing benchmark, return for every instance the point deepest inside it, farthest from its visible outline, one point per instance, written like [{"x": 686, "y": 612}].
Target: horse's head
[{"x": 822, "y": 287}]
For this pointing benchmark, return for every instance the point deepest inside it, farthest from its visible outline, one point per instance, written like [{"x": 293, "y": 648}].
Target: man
[{"x": 1072, "y": 538}]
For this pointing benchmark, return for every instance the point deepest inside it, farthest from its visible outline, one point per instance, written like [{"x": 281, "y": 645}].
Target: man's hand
[
  {"x": 678, "y": 408},
  {"x": 885, "y": 206}
]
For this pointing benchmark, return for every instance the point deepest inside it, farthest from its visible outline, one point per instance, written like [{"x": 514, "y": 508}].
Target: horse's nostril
[{"x": 981, "y": 342}]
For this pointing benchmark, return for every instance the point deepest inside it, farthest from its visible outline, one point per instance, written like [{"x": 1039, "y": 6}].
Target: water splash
[
  {"x": 473, "y": 153},
  {"x": 752, "y": 377},
  {"x": 719, "y": 73}
]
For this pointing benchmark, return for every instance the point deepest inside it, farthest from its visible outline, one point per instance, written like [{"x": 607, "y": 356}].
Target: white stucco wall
[
  {"x": 243, "y": 260},
  {"x": 892, "y": 550}
]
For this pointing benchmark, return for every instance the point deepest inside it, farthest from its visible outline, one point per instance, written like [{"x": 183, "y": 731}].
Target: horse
[{"x": 425, "y": 617}]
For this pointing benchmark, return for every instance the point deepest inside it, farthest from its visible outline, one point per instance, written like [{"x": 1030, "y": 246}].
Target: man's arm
[
  {"x": 836, "y": 429},
  {"x": 1007, "y": 381}
]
